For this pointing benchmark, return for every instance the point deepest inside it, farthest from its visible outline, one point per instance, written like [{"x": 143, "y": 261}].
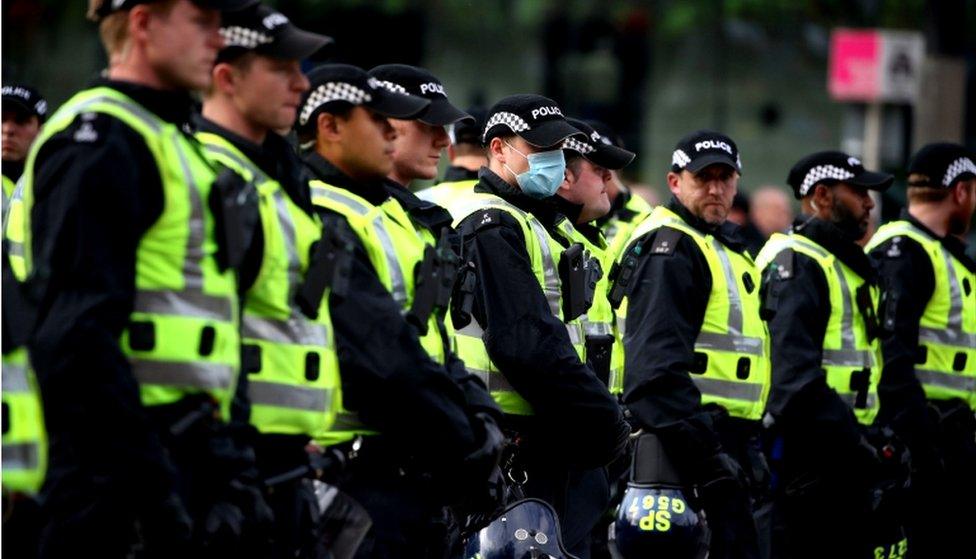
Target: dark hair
[{"x": 309, "y": 132}]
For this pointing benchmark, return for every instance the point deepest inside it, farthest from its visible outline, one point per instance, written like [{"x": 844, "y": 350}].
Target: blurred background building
[{"x": 654, "y": 69}]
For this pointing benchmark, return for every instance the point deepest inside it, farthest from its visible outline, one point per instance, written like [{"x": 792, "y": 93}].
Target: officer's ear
[
  {"x": 495, "y": 149},
  {"x": 964, "y": 191},
  {"x": 674, "y": 180},
  {"x": 327, "y": 127},
  {"x": 223, "y": 79},
  {"x": 822, "y": 198}
]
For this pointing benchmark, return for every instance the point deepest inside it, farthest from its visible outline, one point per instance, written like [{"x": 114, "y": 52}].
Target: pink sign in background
[{"x": 855, "y": 65}]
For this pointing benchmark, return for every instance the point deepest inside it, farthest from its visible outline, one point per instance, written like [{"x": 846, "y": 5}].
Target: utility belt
[
  {"x": 376, "y": 455},
  {"x": 193, "y": 415}
]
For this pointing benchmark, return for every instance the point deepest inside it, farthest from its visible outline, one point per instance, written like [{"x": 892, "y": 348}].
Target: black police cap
[
  {"x": 536, "y": 119},
  {"x": 608, "y": 134},
  {"x": 335, "y": 86},
  {"x": 702, "y": 148},
  {"x": 266, "y": 31},
  {"x": 402, "y": 78},
  {"x": 833, "y": 167},
  {"x": 468, "y": 131},
  {"x": 941, "y": 165},
  {"x": 25, "y": 100},
  {"x": 109, "y": 6},
  {"x": 592, "y": 147}
]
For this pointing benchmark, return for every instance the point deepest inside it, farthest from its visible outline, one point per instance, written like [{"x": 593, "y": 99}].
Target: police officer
[
  {"x": 136, "y": 343},
  {"x": 419, "y": 431},
  {"x": 627, "y": 209},
  {"x": 696, "y": 350},
  {"x": 467, "y": 157},
  {"x": 820, "y": 297},
  {"x": 523, "y": 333},
  {"x": 582, "y": 198},
  {"x": 928, "y": 388},
  {"x": 24, "y": 111},
  {"x": 289, "y": 359}
]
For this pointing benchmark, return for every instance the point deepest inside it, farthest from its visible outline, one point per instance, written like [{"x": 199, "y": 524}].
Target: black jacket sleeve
[
  {"x": 95, "y": 194},
  {"x": 806, "y": 408},
  {"x": 574, "y": 412},
  {"x": 907, "y": 280},
  {"x": 388, "y": 378},
  {"x": 665, "y": 310}
]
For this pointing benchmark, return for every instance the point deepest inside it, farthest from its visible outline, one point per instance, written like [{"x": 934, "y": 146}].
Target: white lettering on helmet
[
  {"x": 713, "y": 144},
  {"x": 546, "y": 111},
  {"x": 432, "y": 87}
]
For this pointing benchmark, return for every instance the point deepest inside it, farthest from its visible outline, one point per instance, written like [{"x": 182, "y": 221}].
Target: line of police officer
[{"x": 240, "y": 350}]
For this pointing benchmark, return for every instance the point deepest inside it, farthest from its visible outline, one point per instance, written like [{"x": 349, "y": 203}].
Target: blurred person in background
[
  {"x": 24, "y": 111},
  {"x": 772, "y": 211}
]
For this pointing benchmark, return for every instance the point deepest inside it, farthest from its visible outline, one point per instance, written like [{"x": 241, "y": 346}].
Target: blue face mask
[{"x": 546, "y": 172}]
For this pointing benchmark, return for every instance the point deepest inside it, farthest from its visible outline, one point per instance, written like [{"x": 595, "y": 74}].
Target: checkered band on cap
[
  {"x": 394, "y": 87},
  {"x": 680, "y": 159},
  {"x": 823, "y": 172},
  {"x": 236, "y": 36},
  {"x": 958, "y": 167},
  {"x": 332, "y": 91},
  {"x": 578, "y": 146},
  {"x": 513, "y": 121}
]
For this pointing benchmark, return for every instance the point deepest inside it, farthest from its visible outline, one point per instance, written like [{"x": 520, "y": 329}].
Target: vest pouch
[
  {"x": 921, "y": 354},
  {"x": 621, "y": 275},
  {"x": 330, "y": 264},
  {"x": 251, "y": 358},
  {"x": 742, "y": 368},
  {"x": 208, "y": 335},
  {"x": 579, "y": 275},
  {"x": 233, "y": 202},
  {"x": 426, "y": 285},
  {"x": 860, "y": 382},
  {"x": 142, "y": 336},
  {"x": 447, "y": 270},
  {"x": 462, "y": 298},
  {"x": 6, "y": 418},
  {"x": 313, "y": 365},
  {"x": 959, "y": 362},
  {"x": 598, "y": 352},
  {"x": 700, "y": 364}
]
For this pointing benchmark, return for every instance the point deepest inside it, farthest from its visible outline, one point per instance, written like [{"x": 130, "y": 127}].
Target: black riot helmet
[
  {"x": 526, "y": 529},
  {"x": 656, "y": 518}
]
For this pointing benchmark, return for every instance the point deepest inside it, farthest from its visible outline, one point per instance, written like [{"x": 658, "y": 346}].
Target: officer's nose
[{"x": 441, "y": 139}]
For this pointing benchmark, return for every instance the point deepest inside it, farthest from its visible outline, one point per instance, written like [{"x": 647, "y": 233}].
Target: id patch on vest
[
  {"x": 666, "y": 241},
  {"x": 894, "y": 248},
  {"x": 484, "y": 218}
]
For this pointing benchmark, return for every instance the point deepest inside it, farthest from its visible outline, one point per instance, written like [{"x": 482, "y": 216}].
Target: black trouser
[
  {"x": 745, "y": 525},
  {"x": 21, "y": 526},
  {"x": 407, "y": 509},
  {"x": 941, "y": 518},
  {"x": 822, "y": 505}
]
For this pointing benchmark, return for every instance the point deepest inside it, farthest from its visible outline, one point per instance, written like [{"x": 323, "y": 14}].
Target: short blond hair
[
  {"x": 921, "y": 194},
  {"x": 114, "y": 28}
]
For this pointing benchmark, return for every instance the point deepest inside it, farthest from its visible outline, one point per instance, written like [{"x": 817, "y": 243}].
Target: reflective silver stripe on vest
[
  {"x": 731, "y": 343},
  {"x": 397, "y": 285},
  {"x": 335, "y": 196},
  {"x": 622, "y": 324},
  {"x": 597, "y": 328},
  {"x": 256, "y": 173},
  {"x": 494, "y": 380},
  {"x": 203, "y": 376},
  {"x": 946, "y": 380},
  {"x": 553, "y": 286},
  {"x": 848, "y": 358},
  {"x": 733, "y": 390},
  {"x": 850, "y": 399},
  {"x": 15, "y": 248},
  {"x": 954, "y": 323},
  {"x": 294, "y": 330},
  {"x": 946, "y": 337},
  {"x": 20, "y": 456},
  {"x": 184, "y": 303},
  {"x": 284, "y": 396},
  {"x": 15, "y": 379}
]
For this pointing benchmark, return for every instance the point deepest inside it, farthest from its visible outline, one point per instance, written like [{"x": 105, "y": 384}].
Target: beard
[{"x": 853, "y": 224}]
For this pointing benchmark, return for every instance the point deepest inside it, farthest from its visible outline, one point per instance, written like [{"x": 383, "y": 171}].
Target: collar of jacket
[
  {"x": 839, "y": 244},
  {"x": 544, "y": 210},
  {"x": 953, "y": 244},
  {"x": 455, "y": 174},
  {"x": 176, "y": 107},
  {"x": 12, "y": 169},
  {"x": 428, "y": 214},
  {"x": 275, "y": 157},
  {"x": 727, "y": 233},
  {"x": 322, "y": 169}
]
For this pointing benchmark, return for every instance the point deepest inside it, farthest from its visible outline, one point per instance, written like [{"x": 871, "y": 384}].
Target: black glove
[
  {"x": 166, "y": 528},
  {"x": 483, "y": 479},
  {"x": 728, "y": 509}
]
